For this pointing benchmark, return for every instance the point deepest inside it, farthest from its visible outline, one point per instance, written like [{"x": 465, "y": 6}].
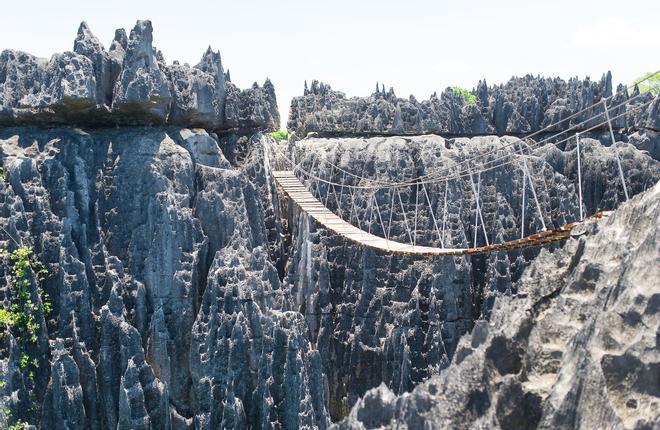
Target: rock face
[
  {"x": 520, "y": 106},
  {"x": 168, "y": 309},
  {"x": 187, "y": 294},
  {"x": 397, "y": 319},
  {"x": 130, "y": 84},
  {"x": 576, "y": 347}
]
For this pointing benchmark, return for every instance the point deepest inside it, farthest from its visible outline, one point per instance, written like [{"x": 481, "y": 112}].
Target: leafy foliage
[
  {"x": 22, "y": 315},
  {"x": 7, "y": 317},
  {"x": 279, "y": 135},
  {"x": 468, "y": 96},
  {"x": 651, "y": 83},
  {"x": 2, "y": 173}
]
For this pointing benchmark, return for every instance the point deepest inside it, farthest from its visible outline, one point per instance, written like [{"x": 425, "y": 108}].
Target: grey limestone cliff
[
  {"x": 575, "y": 347},
  {"x": 520, "y": 106},
  {"x": 166, "y": 297},
  {"x": 397, "y": 319},
  {"x": 187, "y": 294},
  {"x": 130, "y": 84}
]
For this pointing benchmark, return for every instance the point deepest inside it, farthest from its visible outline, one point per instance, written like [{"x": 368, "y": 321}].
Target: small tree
[{"x": 650, "y": 83}]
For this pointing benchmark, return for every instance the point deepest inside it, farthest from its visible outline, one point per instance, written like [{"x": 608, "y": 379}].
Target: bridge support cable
[
  {"x": 478, "y": 216},
  {"x": 579, "y": 169},
  {"x": 311, "y": 169},
  {"x": 444, "y": 212},
  {"x": 416, "y": 213},
  {"x": 330, "y": 184},
  {"x": 435, "y": 222},
  {"x": 350, "y": 214},
  {"x": 382, "y": 224},
  {"x": 531, "y": 185},
  {"x": 405, "y": 218},
  {"x": 352, "y": 192},
  {"x": 481, "y": 215},
  {"x": 616, "y": 151},
  {"x": 317, "y": 182},
  {"x": 341, "y": 194},
  {"x": 524, "y": 190},
  {"x": 389, "y": 224},
  {"x": 476, "y": 211},
  {"x": 370, "y": 209},
  {"x": 334, "y": 194}
]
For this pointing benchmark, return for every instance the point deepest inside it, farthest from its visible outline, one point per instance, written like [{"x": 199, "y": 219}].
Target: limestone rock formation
[
  {"x": 520, "y": 106},
  {"x": 187, "y": 295},
  {"x": 141, "y": 83},
  {"x": 576, "y": 347},
  {"x": 396, "y": 319},
  {"x": 88, "y": 45},
  {"x": 130, "y": 84}
]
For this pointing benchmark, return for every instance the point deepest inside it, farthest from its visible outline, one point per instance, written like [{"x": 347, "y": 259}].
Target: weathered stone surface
[
  {"x": 187, "y": 295},
  {"x": 520, "y": 106},
  {"x": 199, "y": 92},
  {"x": 648, "y": 141},
  {"x": 576, "y": 347},
  {"x": 130, "y": 84},
  {"x": 35, "y": 88},
  {"x": 142, "y": 231},
  {"x": 88, "y": 45},
  {"x": 394, "y": 319},
  {"x": 251, "y": 107},
  {"x": 142, "y": 86}
]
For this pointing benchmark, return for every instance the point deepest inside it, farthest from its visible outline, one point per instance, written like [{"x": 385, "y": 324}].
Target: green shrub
[
  {"x": 279, "y": 135},
  {"x": 651, "y": 83},
  {"x": 18, "y": 426},
  {"x": 468, "y": 96},
  {"x": 22, "y": 313},
  {"x": 20, "y": 318},
  {"x": 7, "y": 317}
]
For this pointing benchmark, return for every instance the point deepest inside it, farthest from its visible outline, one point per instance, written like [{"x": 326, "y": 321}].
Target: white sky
[{"x": 416, "y": 46}]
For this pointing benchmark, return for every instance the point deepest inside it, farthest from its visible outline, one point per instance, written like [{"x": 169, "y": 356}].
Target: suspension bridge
[{"x": 303, "y": 186}]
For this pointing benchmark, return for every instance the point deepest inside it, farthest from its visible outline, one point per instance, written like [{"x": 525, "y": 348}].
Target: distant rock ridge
[
  {"x": 130, "y": 84},
  {"x": 522, "y": 105}
]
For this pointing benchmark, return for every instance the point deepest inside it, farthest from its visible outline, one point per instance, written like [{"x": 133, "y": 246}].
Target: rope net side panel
[{"x": 290, "y": 186}]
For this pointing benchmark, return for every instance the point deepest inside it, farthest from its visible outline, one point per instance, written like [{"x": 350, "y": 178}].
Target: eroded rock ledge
[
  {"x": 130, "y": 84},
  {"x": 520, "y": 106}
]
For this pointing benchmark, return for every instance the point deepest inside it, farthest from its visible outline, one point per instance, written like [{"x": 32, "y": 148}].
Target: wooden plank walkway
[{"x": 291, "y": 186}]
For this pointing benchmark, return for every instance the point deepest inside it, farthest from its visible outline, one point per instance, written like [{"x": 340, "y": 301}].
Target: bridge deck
[{"x": 296, "y": 191}]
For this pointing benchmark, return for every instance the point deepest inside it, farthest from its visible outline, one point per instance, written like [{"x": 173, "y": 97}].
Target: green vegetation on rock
[
  {"x": 651, "y": 83},
  {"x": 279, "y": 135},
  {"x": 468, "y": 96},
  {"x": 21, "y": 317}
]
